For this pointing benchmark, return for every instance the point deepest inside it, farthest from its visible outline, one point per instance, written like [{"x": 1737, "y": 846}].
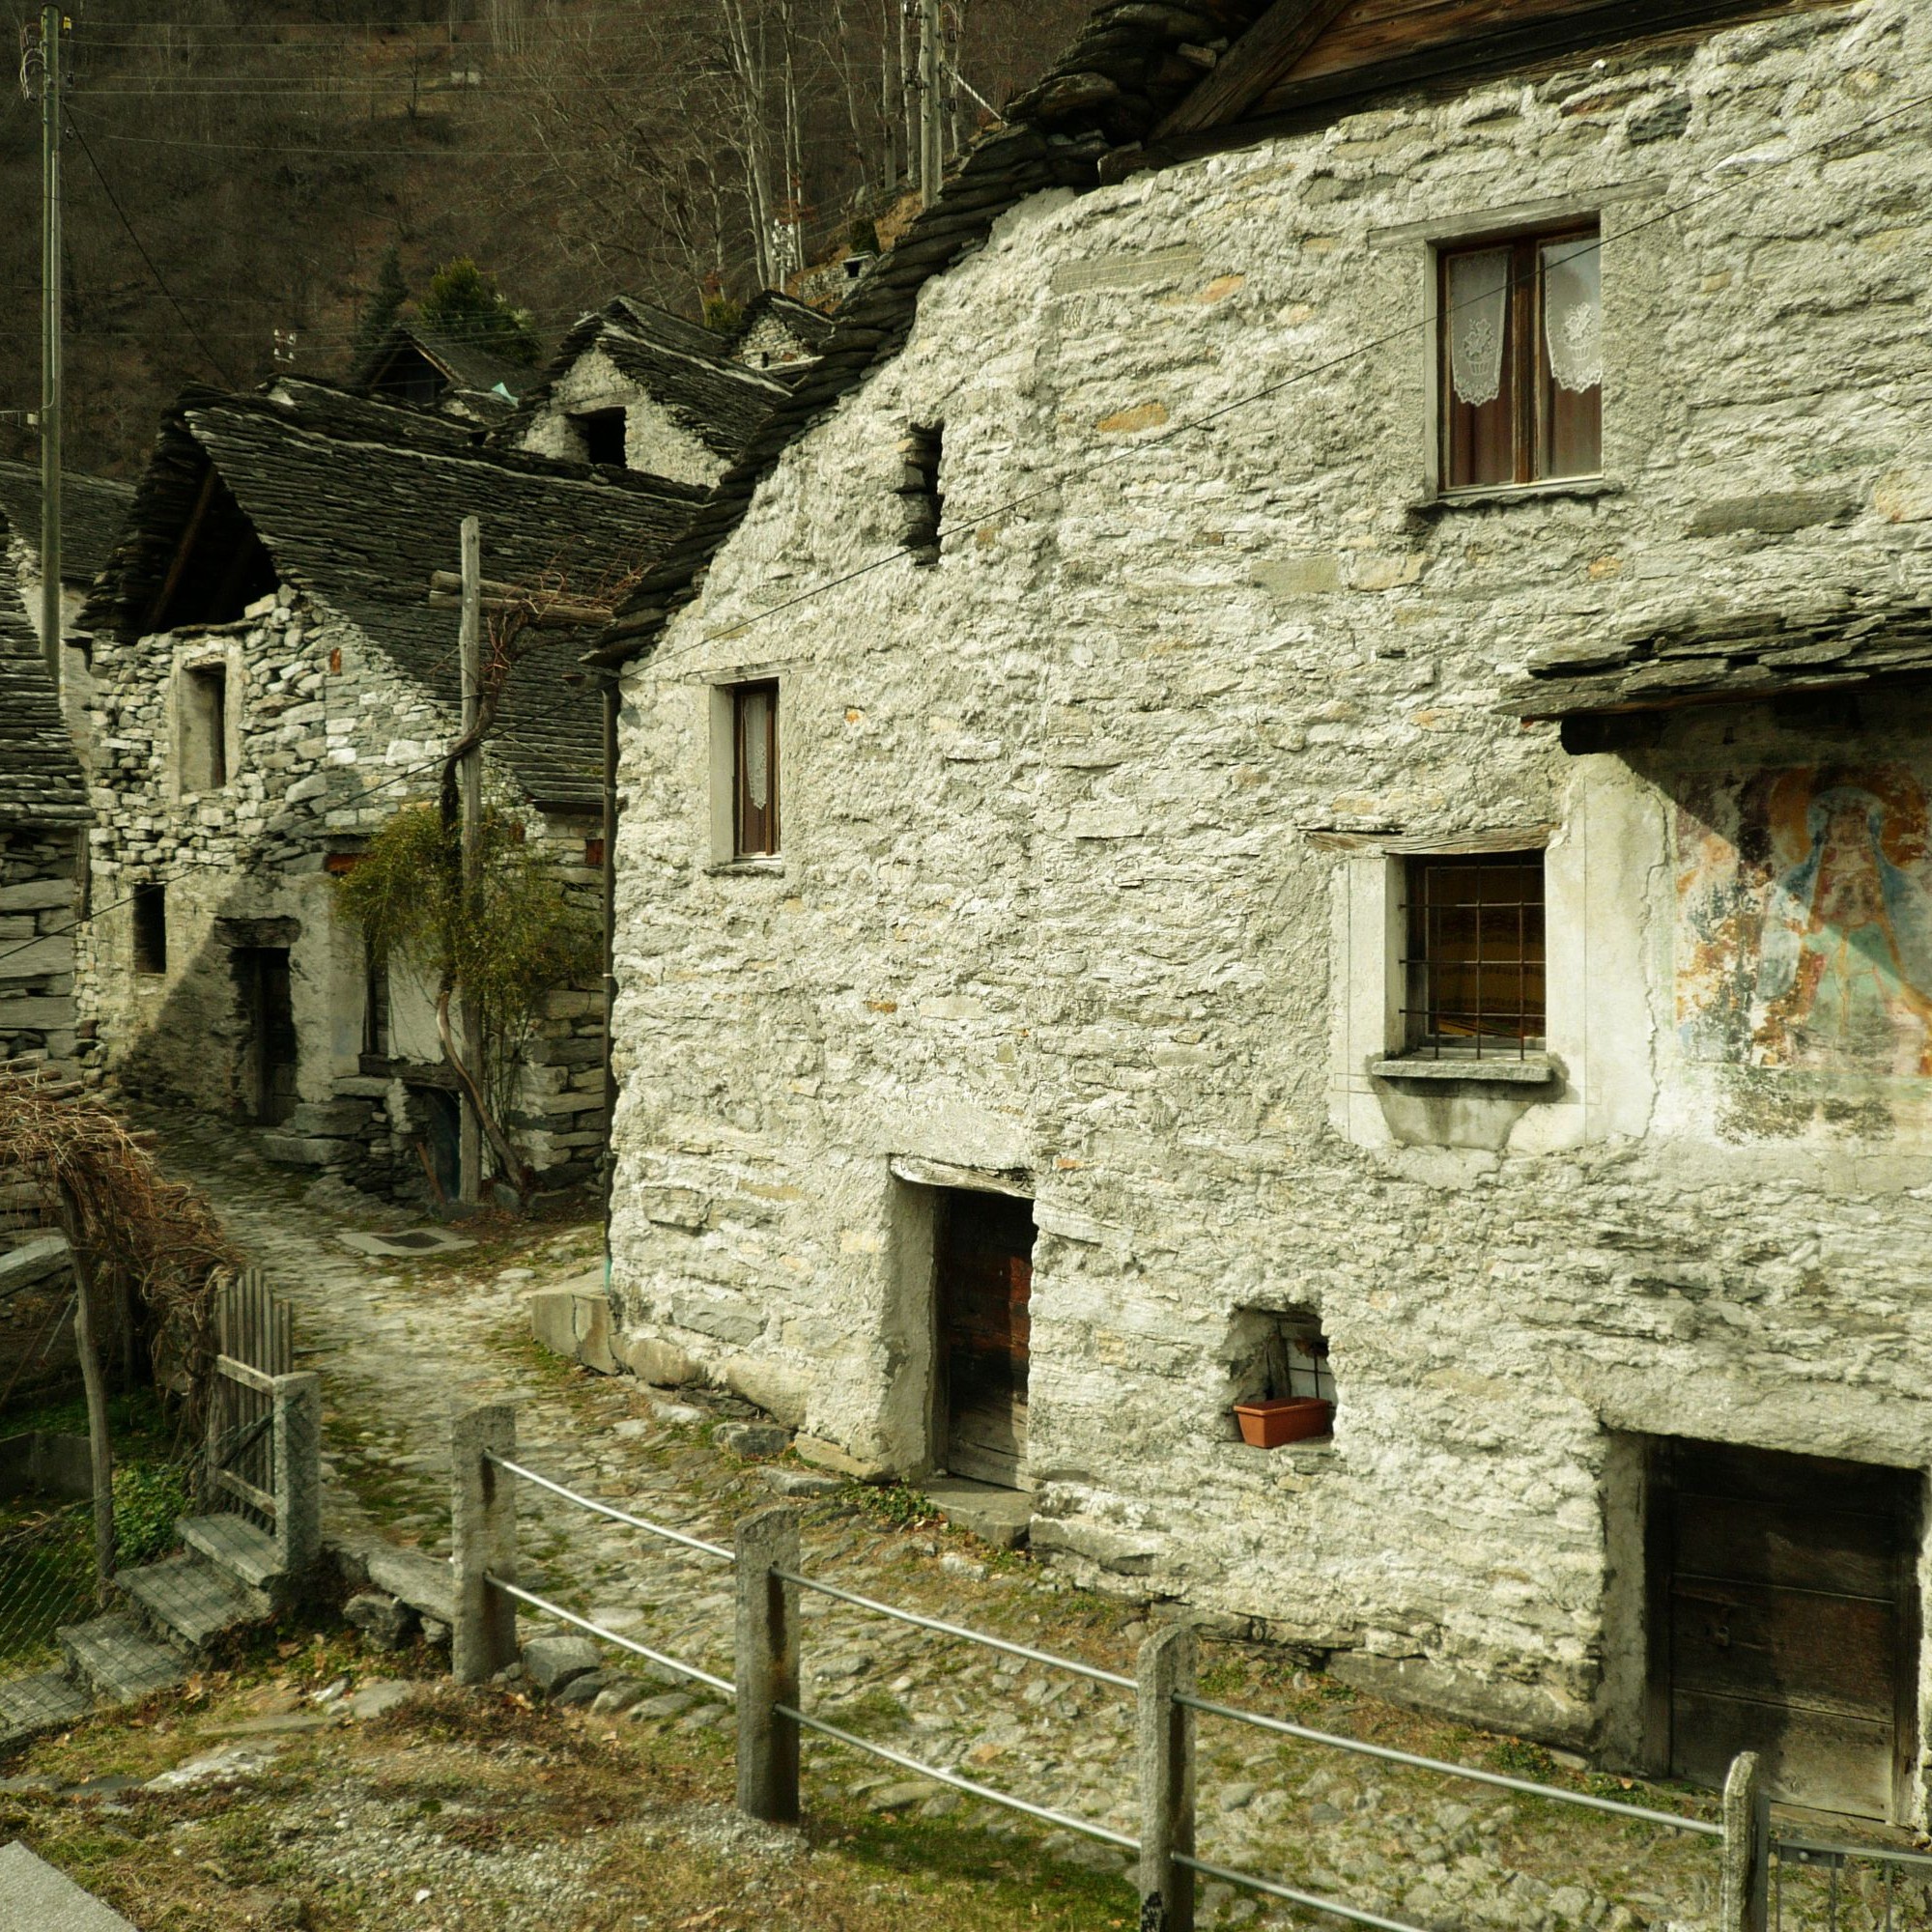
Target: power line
[
  {"x": 1196, "y": 424},
  {"x": 141, "y": 249}
]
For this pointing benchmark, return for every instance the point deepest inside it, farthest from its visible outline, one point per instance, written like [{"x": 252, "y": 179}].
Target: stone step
[
  {"x": 242, "y": 1548},
  {"x": 996, "y": 1516},
  {"x": 46, "y": 1702},
  {"x": 120, "y": 1662},
  {"x": 190, "y": 1600}
]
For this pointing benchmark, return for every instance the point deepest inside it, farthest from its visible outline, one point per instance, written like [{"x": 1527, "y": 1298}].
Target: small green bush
[
  {"x": 149, "y": 1500},
  {"x": 1514, "y": 1758}
]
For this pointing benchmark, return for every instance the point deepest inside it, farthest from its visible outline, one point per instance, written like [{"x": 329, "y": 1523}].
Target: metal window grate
[{"x": 1473, "y": 972}]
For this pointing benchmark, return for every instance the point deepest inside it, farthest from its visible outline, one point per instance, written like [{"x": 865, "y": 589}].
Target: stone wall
[
  {"x": 324, "y": 740},
  {"x": 1091, "y": 832},
  {"x": 654, "y": 442}
]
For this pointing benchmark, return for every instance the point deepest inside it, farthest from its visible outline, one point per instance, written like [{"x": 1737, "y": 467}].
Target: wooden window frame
[
  {"x": 755, "y": 829},
  {"x": 1526, "y": 363}
]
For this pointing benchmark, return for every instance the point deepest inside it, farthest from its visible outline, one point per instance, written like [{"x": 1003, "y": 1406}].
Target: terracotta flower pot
[{"x": 1268, "y": 1424}]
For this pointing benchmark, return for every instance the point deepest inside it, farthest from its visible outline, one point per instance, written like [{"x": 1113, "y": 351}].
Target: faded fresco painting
[{"x": 1804, "y": 920}]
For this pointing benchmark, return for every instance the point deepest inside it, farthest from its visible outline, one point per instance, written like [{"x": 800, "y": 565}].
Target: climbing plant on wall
[{"x": 502, "y": 944}]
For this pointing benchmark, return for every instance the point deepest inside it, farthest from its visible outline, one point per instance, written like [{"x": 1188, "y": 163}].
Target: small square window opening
[
  {"x": 755, "y": 788},
  {"x": 151, "y": 928},
  {"x": 1521, "y": 360},
  {"x": 1473, "y": 968},
  {"x": 604, "y": 435}
]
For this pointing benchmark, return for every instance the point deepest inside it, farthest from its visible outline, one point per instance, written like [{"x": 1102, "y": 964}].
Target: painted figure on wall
[{"x": 1804, "y": 915}]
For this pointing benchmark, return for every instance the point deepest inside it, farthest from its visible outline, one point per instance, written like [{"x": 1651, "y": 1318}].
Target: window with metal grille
[
  {"x": 1522, "y": 359},
  {"x": 1473, "y": 965},
  {"x": 754, "y": 739},
  {"x": 919, "y": 490}
]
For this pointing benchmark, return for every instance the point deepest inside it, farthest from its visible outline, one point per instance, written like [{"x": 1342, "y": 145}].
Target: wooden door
[
  {"x": 1788, "y": 1620},
  {"x": 269, "y": 1078},
  {"x": 984, "y": 1285}
]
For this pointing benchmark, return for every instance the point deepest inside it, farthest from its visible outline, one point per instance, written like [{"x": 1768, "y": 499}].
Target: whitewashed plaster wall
[{"x": 1069, "y": 876}]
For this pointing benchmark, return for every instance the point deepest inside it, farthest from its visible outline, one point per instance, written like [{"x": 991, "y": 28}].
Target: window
[
  {"x": 755, "y": 762},
  {"x": 926, "y": 507},
  {"x": 151, "y": 928},
  {"x": 1473, "y": 960},
  {"x": 203, "y": 722},
  {"x": 603, "y": 432},
  {"x": 1521, "y": 360},
  {"x": 374, "y": 1004}
]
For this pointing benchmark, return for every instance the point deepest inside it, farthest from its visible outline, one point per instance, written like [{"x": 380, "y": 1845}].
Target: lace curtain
[
  {"x": 1478, "y": 318},
  {"x": 758, "y": 749},
  {"x": 1573, "y": 313}
]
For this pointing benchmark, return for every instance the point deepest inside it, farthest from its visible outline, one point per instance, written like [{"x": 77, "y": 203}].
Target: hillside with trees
[{"x": 251, "y": 187}]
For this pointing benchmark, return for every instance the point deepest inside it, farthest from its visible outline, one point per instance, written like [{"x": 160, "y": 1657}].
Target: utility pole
[
  {"x": 470, "y": 646},
  {"x": 51, "y": 23},
  {"x": 931, "y": 104}
]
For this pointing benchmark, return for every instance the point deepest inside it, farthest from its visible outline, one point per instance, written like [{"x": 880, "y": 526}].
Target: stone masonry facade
[
  {"x": 1092, "y": 829},
  {"x": 324, "y": 740}
]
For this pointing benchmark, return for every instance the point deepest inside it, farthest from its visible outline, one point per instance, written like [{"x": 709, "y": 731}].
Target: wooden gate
[{"x": 255, "y": 1335}]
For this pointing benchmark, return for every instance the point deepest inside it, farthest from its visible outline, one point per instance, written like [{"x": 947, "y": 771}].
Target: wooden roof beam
[{"x": 1265, "y": 52}]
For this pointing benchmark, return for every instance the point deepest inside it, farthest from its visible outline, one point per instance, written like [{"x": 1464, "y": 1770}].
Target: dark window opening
[
  {"x": 151, "y": 928},
  {"x": 218, "y": 569},
  {"x": 374, "y": 1004},
  {"x": 755, "y": 789},
  {"x": 926, "y": 507},
  {"x": 268, "y": 1092},
  {"x": 1473, "y": 972},
  {"x": 409, "y": 376},
  {"x": 205, "y": 728},
  {"x": 603, "y": 432},
  {"x": 1521, "y": 360}
]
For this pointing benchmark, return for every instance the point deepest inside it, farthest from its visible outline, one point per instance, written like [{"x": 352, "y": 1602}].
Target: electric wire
[{"x": 141, "y": 249}]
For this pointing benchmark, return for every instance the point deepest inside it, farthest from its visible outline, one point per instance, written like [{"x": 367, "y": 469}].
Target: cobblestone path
[{"x": 400, "y": 1346}]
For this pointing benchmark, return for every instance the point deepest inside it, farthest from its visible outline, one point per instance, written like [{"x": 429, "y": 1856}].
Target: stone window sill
[
  {"x": 1502, "y": 496},
  {"x": 745, "y": 869},
  {"x": 1310, "y": 1449},
  {"x": 1535, "y": 1069}
]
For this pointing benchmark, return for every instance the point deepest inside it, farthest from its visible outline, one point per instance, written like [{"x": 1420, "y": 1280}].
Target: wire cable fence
[
  {"x": 46, "y": 1579},
  {"x": 768, "y": 1583}
]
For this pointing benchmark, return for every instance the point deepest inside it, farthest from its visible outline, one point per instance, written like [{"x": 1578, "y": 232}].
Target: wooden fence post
[
  {"x": 1166, "y": 1666},
  {"x": 296, "y": 1426},
  {"x": 1747, "y": 1873},
  {"x": 483, "y": 1541},
  {"x": 767, "y": 1666}
]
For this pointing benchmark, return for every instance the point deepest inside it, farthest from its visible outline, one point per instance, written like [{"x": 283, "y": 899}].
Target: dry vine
[{"x": 152, "y": 1247}]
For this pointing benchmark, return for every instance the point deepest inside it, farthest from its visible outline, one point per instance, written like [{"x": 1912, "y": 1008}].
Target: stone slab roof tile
[
  {"x": 93, "y": 510},
  {"x": 41, "y": 780}
]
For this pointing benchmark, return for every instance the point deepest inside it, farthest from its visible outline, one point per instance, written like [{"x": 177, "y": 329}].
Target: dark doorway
[
  {"x": 268, "y": 1095},
  {"x": 440, "y": 1148},
  {"x": 984, "y": 1285},
  {"x": 1784, "y": 1621}
]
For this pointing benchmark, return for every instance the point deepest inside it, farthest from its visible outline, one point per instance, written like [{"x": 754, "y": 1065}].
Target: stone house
[
  {"x": 1300, "y": 769},
  {"x": 636, "y": 387},
  {"x": 275, "y": 675}
]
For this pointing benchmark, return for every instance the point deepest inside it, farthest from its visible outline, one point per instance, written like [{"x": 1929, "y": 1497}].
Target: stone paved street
[{"x": 400, "y": 1346}]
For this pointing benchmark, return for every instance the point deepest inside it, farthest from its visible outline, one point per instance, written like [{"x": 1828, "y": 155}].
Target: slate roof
[
  {"x": 687, "y": 370},
  {"x": 809, "y": 325},
  {"x": 359, "y": 501},
  {"x": 1122, "y": 73},
  {"x": 41, "y": 781},
  {"x": 467, "y": 366},
  {"x": 93, "y": 509},
  {"x": 1717, "y": 657}
]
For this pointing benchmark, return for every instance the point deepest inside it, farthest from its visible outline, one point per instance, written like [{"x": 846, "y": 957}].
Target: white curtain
[
  {"x": 757, "y": 743},
  {"x": 1572, "y": 313},
  {"x": 1478, "y": 317}
]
